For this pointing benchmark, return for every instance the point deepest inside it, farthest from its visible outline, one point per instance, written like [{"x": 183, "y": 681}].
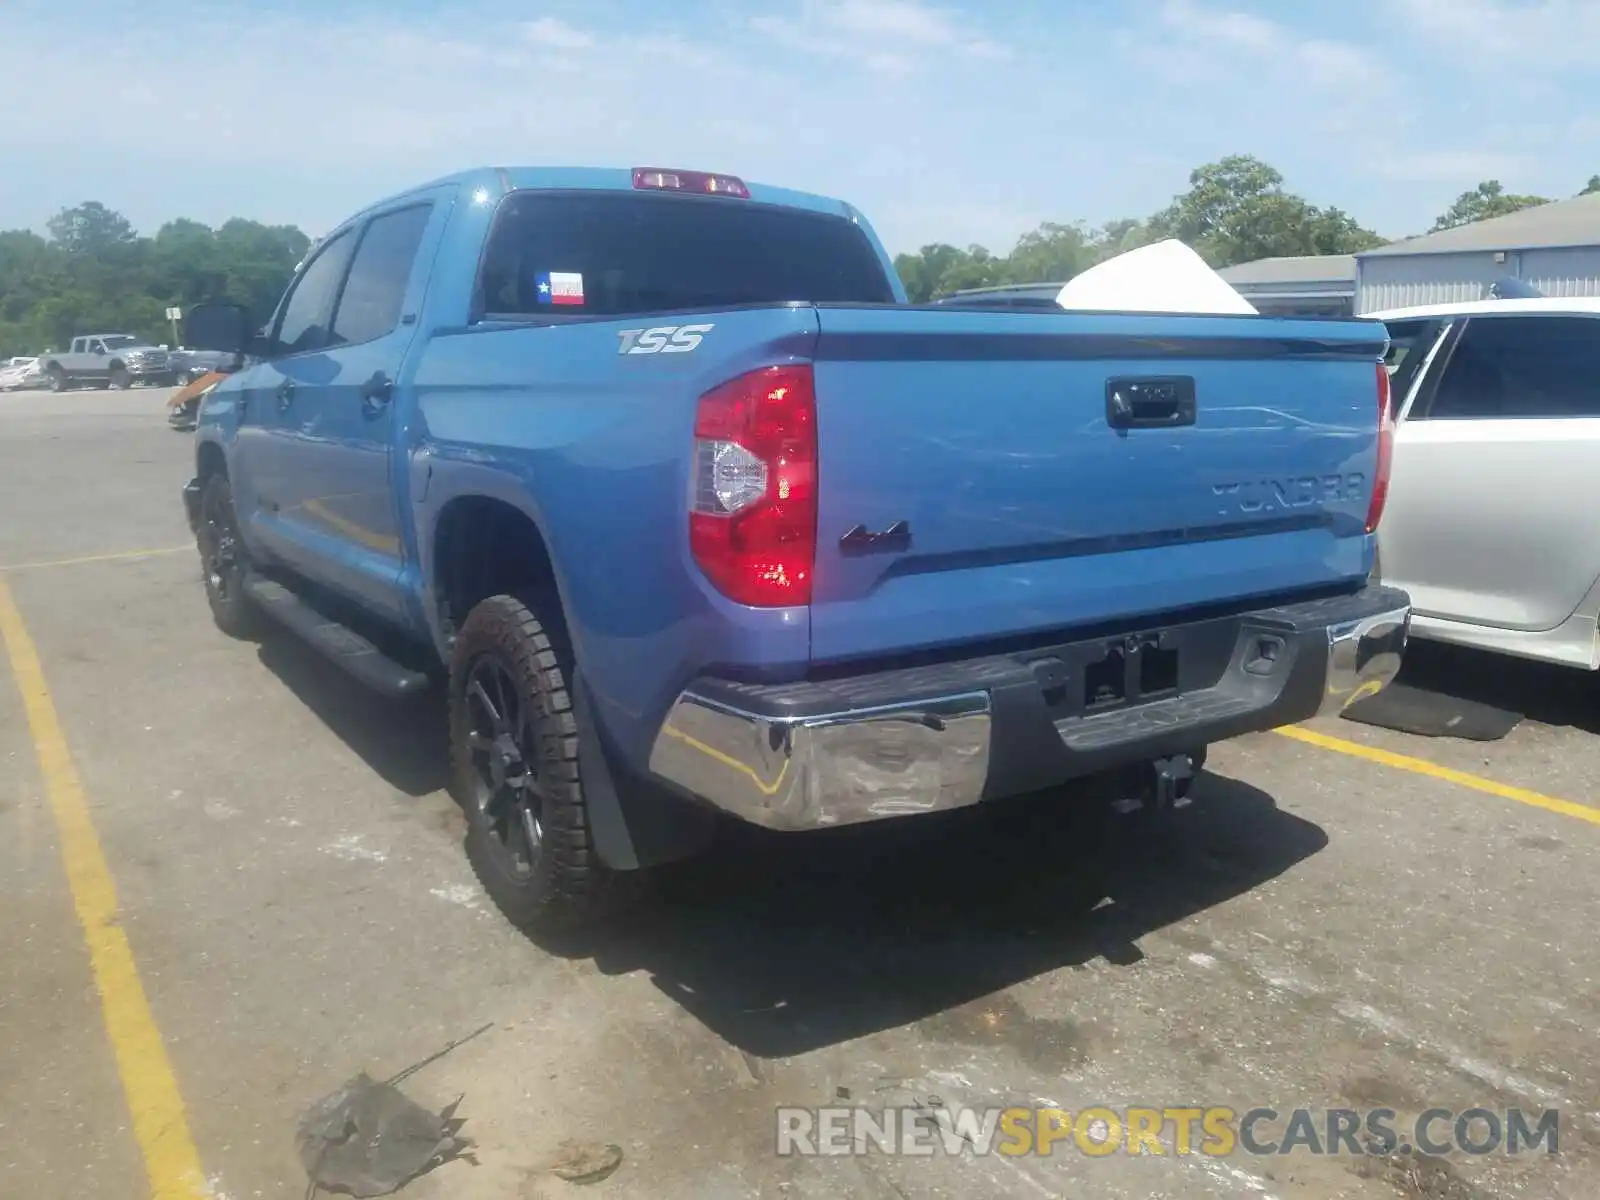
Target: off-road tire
[
  {"x": 120, "y": 379},
  {"x": 565, "y": 886},
  {"x": 231, "y": 608},
  {"x": 58, "y": 380}
]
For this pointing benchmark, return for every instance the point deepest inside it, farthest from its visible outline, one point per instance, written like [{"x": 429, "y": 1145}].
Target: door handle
[
  {"x": 1155, "y": 402},
  {"x": 376, "y": 391},
  {"x": 285, "y": 395}
]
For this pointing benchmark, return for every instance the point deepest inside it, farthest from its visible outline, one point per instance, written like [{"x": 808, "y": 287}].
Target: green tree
[
  {"x": 974, "y": 269},
  {"x": 1488, "y": 199},
  {"x": 90, "y": 228},
  {"x": 1236, "y": 211},
  {"x": 1051, "y": 253},
  {"x": 95, "y": 273},
  {"x": 1120, "y": 236},
  {"x": 939, "y": 269},
  {"x": 920, "y": 272},
  {"x": 1591, "y": 187}
]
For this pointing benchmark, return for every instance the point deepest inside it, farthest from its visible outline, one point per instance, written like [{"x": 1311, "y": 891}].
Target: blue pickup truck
[{"x": 695, "y": 516}]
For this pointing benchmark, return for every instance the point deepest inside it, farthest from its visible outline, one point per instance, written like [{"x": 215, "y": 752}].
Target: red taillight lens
[
  {"x": 1380, "y": 479},
  {"x": 753, "y": 514},
  {"x": 667, "y": 180}
]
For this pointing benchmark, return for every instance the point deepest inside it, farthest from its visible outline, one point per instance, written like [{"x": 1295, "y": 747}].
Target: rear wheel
[
  {"x": 58, "y": 380},
  {"x": 224, "y": 561},
  {"x": 514, "y": 757}
]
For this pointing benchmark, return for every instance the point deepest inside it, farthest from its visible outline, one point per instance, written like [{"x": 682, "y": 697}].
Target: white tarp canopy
[{"x": 1162, "y": 277}]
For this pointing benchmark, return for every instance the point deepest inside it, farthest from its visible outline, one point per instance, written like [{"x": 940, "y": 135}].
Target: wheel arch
[
  {"x": 635, "y": 822},
  {"x": 467, "y": 561}
]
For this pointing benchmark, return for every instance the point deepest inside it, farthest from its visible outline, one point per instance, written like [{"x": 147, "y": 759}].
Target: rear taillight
[
  {"x": 753, "y": 514},
  {"x": 1380, "y": 479},
  {"x": 663, "y": 179}
]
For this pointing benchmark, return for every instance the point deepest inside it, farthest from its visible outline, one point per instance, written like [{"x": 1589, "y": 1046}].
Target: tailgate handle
[{"x": 1157, "y": 402}]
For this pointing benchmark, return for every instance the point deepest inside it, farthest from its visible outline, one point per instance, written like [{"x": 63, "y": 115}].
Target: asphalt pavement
[{"x": 231, "y": 881}]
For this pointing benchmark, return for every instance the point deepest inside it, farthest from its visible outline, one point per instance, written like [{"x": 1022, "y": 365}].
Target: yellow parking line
[
  {"x": 115, "y": 556},
  {"x": 1422, "y": 766},
  {"x": 160, "y": 1124}
]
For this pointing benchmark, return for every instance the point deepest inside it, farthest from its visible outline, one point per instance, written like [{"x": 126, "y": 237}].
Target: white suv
[{"x": 1493, "y": 517}]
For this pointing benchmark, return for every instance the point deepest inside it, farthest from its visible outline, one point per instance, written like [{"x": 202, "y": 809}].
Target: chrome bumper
[
  {"x": 1364, "y": 657},
  {"x": 880, "y": 760},
  {"x": 862, "y": 765}
]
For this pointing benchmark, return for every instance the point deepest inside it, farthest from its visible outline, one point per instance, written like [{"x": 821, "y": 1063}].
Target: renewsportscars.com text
[{"x": 1216, "y": 1131}]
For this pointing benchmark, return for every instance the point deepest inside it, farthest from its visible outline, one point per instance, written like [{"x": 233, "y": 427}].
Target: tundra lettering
[
  {"x": 658, "y": 599},
  {"x": 1306, "y": 491}
]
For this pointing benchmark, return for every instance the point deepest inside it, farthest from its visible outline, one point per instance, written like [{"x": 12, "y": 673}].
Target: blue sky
[{"x": 949, "y": 120}]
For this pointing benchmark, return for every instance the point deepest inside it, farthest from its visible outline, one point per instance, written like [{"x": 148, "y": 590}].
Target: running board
[{"x": 340, "y": 644}]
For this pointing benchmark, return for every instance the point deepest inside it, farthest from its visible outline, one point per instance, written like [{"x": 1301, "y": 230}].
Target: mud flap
[
  {"x": 191, "y": 504},
  {"x": 636, "y": 824}
]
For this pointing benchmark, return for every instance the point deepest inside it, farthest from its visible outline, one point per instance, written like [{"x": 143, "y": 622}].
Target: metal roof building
[
  {"x": 1305, "y": 285},
  {"x": 1554, "y": 247}
]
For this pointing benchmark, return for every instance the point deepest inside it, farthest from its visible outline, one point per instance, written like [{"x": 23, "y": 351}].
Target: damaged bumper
[{"x": 924, "y": 739}]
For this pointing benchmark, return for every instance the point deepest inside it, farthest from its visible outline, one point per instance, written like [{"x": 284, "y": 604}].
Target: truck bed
[{"x": 987, "y": 434}]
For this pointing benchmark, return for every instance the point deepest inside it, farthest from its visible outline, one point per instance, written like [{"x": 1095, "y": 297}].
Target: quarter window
[
  {"x": 1523, "y": 366},
  {"x": 376, "y": 289},
  {"x": 1409, "y": 343}
]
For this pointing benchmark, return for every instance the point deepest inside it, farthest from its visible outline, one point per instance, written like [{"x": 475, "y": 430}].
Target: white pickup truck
[{"x": 117, "y": 360}]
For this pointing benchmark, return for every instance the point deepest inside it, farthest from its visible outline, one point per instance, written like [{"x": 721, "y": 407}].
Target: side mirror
[{"x": 225, "y": 328}]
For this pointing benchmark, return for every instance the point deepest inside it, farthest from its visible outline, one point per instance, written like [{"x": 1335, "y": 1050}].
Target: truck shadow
[
  {"x": 781, "y": 945},
  {"x": 404, "y": 742}
]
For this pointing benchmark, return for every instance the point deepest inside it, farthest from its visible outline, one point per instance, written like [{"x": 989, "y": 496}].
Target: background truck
[
  {"x": 696, "y": 516},
  {"x": 188, "y": 365},
  {"x": 117, "y": 360}
]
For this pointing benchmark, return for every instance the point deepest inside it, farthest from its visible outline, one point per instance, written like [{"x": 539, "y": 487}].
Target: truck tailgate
[{"x": 988, "y": 474}]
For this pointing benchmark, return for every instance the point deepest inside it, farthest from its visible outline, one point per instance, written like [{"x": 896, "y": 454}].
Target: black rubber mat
[{"x": 1432, "y": 714}]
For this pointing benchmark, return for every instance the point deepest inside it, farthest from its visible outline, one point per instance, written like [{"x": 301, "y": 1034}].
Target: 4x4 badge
[{"x": 861, "y": 540}]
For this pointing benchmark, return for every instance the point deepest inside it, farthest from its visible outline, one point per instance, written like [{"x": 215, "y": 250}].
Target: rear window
[{"x": 614, "y": 254}]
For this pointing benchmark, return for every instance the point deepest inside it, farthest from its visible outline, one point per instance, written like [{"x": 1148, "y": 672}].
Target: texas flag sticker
[{"x": 560, "y": 287}]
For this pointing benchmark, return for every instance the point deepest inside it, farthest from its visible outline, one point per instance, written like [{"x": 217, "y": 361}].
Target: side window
[
  {"x": 96, "y": 347},
  {"x": 303, "y": 322},
  {"x": 1522, "y": 366},
  {"x": 376, "y": 289}
]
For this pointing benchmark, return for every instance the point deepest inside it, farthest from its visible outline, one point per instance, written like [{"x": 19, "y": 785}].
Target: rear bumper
[{"x": 928, "y": 738}]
